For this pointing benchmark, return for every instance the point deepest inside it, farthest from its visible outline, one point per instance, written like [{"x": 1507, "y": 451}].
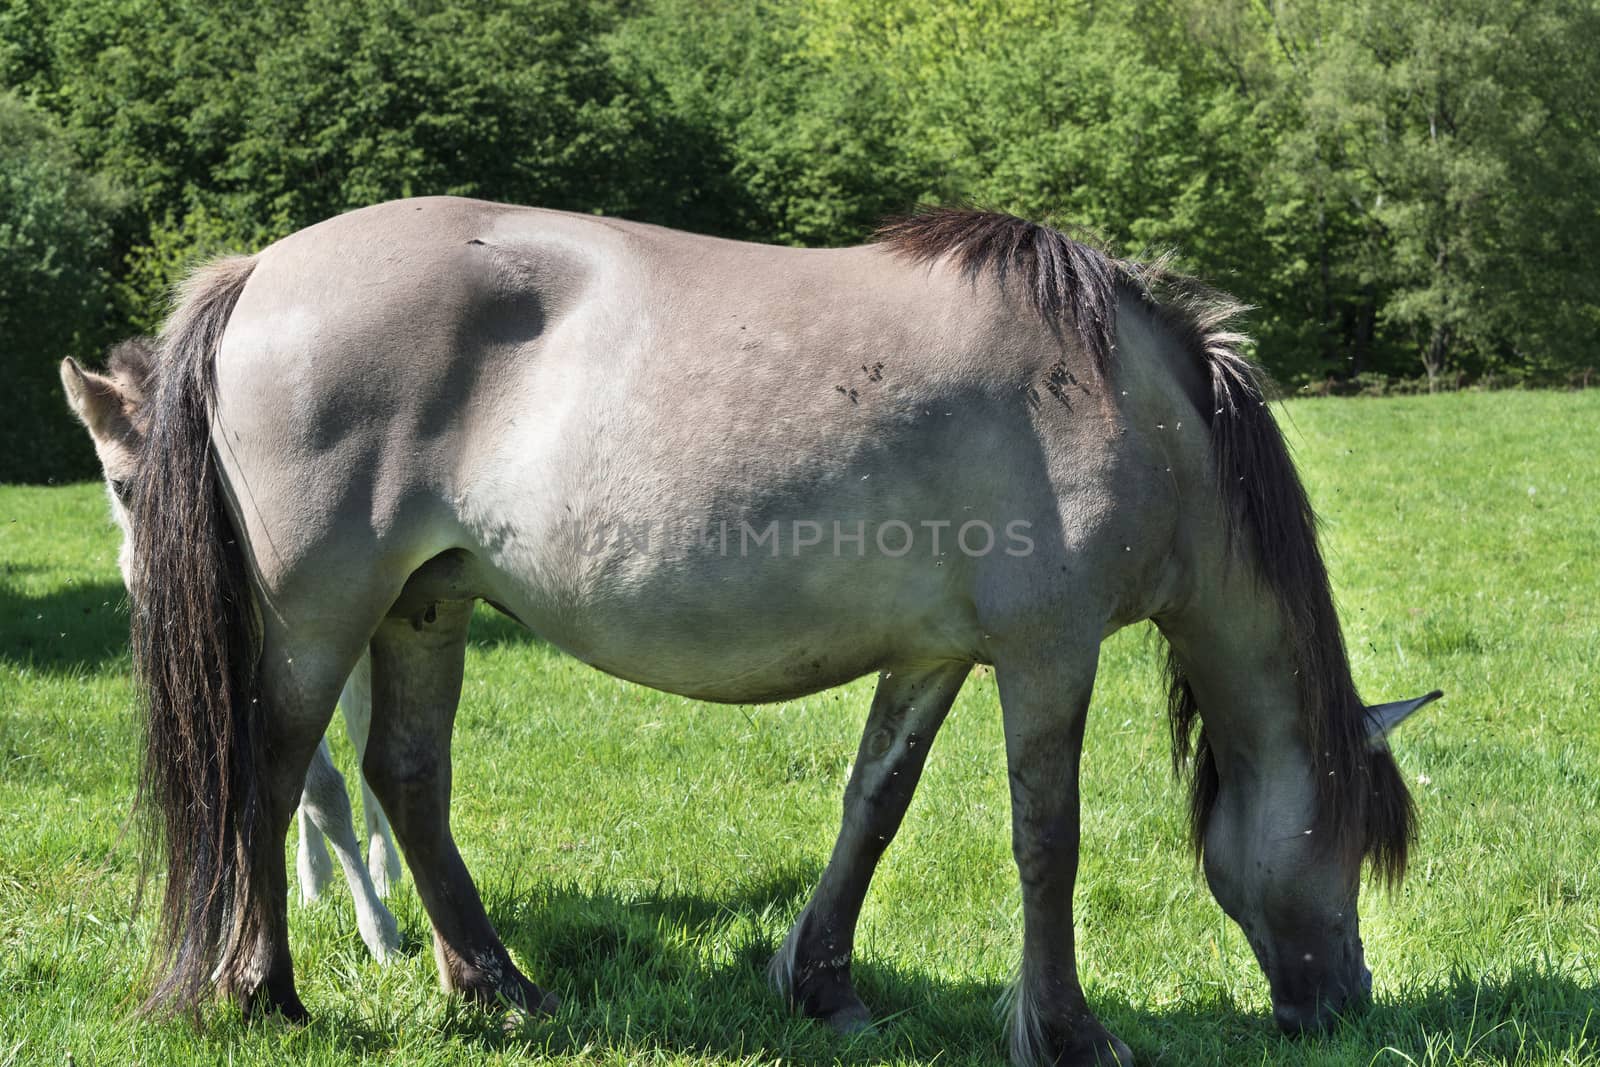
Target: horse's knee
[
  {"x": 324, "y": 784},
  {"x": 1045, "y": 849},
  {"x": 401, "y": 771}
]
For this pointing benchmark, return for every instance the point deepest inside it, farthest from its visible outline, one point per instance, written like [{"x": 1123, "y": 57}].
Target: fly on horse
[{"x": 357, "y": 433}]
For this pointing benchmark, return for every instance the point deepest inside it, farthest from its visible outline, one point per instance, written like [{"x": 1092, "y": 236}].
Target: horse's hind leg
[
  {"x": 813, "y": 968},
  {"x": 300, "y": 682},
  {"x": 1044, "y": 695},
  {"x": 383, "y": 860},
  {"x": 416, "y": 682}
]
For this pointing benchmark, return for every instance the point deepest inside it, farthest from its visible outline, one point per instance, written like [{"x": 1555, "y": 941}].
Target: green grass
[{"x": 643, "y": 854}]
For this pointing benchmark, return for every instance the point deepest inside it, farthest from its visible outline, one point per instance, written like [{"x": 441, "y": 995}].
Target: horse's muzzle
[{"x": 1323, "y": 1012}]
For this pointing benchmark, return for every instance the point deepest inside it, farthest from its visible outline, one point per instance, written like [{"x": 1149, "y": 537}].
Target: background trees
[
  {"x": 55, "y": 280},
  {"x": 1399, "y": 186}
]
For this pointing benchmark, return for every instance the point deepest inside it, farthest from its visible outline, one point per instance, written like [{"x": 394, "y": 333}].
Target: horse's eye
[{"x": 119, "y": 486}]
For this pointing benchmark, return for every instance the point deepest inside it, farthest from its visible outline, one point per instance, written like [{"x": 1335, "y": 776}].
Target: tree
[
  {"x": 1450, "y": 147},
  {"x": 55, "y": 242}
]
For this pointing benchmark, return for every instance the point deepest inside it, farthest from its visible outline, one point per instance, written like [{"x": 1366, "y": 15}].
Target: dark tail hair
[
  {"x": 1363, "y": 802},
  {"x": 195, "y": 653}
]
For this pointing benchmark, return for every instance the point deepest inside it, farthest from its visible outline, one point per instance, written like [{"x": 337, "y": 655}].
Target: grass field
[{"x": 643, "y": 854}]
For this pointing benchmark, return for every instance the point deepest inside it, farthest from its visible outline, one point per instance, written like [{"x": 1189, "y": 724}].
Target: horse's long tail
[{"x": 195, "y": 651}]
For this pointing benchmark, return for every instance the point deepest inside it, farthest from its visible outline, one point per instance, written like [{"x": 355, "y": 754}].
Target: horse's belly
[
  {"x": 760, "y": 676},
  {"x": 748, "y": 634}
]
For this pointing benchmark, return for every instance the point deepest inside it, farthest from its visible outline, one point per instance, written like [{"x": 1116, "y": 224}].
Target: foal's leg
[
  {"x": 312, "y": 863},
  {"x": 416, "y": 682},
  {"x": 326, "y": 804},
  {"x": 813, "y": 968},
  {"x": 383, "y": 859},
  {"x": 1044, "y": 695}
]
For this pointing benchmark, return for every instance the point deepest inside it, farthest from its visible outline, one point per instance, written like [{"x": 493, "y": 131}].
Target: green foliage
[
  {"x": 56, "y": 222},
  {"x": 1396, "y": 185},
  {"x": 1450, "y": 147},
  {"x": 809, "y": 151}
]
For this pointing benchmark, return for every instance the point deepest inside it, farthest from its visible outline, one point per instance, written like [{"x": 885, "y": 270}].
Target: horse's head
[
  {"x": 1295, "y": 898},
  {"x": 111, "y": 407}
]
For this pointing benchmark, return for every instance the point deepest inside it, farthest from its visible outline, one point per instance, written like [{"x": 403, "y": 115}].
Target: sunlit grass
[{"x": 643, "y": 854}]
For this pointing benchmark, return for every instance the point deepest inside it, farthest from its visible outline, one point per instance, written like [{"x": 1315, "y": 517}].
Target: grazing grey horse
[
  {"x": 111, "y": 408},
  {"x": 972, "y": 441}
]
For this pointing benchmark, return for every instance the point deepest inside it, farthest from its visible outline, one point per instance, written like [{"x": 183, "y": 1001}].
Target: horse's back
[{"x": 611, "y": 417}]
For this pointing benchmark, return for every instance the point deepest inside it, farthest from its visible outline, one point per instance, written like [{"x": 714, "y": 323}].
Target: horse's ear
[
  {"x": 95, "y": 399},
  {"x": 1382, "y": 718}
]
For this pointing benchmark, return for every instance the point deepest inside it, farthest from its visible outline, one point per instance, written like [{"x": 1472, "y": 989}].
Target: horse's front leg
[
  {"x": 812, "y": 969},
  {"x": 416, "y": 683},
  {"x": 1044, "y": 696},
  {"x": 312, "y": 862}
]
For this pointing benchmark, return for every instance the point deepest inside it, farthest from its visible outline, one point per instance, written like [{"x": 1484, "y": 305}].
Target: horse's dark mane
[
  {"x": 1067, "y": 282},
  {"x": 1364, "y": 803}
]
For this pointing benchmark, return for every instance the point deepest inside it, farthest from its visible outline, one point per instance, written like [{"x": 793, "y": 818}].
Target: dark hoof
[
  {"x": 850, "y": 1020},
  {"x": 1115, "y": 1053},
  {"x": 828, "y": 997},
  {"x": 1098, "y": 1048},
  {"x": 517, "y": 1017},
  {"x": 263, "y": 1004},
  {"x": 521, "y": 1000},
  {"x": 492, "y": 981},
  {"x": 1105, "y": 1051}
]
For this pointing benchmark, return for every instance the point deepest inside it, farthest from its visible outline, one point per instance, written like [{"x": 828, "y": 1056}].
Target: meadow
[{"x": 644, "y": 854}]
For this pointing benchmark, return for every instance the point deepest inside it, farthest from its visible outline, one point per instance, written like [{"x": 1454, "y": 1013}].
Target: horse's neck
[{"x": 1232, "y": 645}]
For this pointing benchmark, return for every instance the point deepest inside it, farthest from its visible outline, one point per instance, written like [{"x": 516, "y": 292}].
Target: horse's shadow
[
  {"x": 641, "y": 980},
  {"x": 83, "y": 625},
  {"x": 78, "y": 627},
  {"x": 652, "y": 954}
]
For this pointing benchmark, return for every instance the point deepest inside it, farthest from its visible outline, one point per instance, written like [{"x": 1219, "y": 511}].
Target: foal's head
[{"x": 111, "y": 406}]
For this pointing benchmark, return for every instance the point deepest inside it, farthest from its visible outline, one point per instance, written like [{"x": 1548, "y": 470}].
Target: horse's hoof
[
  {"x": 832, "y": 1000},
  {"x": 852, "y": 1020},
  {"x": 379, "y": 930},
  {"x": 525, "y": 1002},
  {"x": 1116, "y": 1054},
  {"x": 263, "y": 1005},
  {"x": 1105, "y": 1051},
  {"x": 1092, "y": 1046}
]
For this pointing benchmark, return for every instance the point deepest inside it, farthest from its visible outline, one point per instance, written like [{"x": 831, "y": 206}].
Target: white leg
[
  {"x": 383, "y": 859},
  {"x": 327, "y": 805},
  {"x": 312, "y": 863}
]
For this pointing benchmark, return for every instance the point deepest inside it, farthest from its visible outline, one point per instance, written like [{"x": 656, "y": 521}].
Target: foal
[{"x": 111, "y": 408}]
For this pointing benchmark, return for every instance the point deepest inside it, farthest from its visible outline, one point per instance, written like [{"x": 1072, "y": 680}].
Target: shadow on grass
[
  {"x": 79, "y": 627},
  {"x": 83, "y": 626},
  {"x": 491, "y": 629},
  {"x": 653, "y": 976}
]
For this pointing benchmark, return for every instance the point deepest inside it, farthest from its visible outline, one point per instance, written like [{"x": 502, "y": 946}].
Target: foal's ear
[
  {"x": 1382, "y": 718},
  {"x": 96, "y": 399}
]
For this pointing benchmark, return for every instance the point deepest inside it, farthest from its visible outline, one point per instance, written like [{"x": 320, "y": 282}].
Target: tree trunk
[
  {"x": 1366, "y": 316},
  {"x": 1436, "y": 355}
]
